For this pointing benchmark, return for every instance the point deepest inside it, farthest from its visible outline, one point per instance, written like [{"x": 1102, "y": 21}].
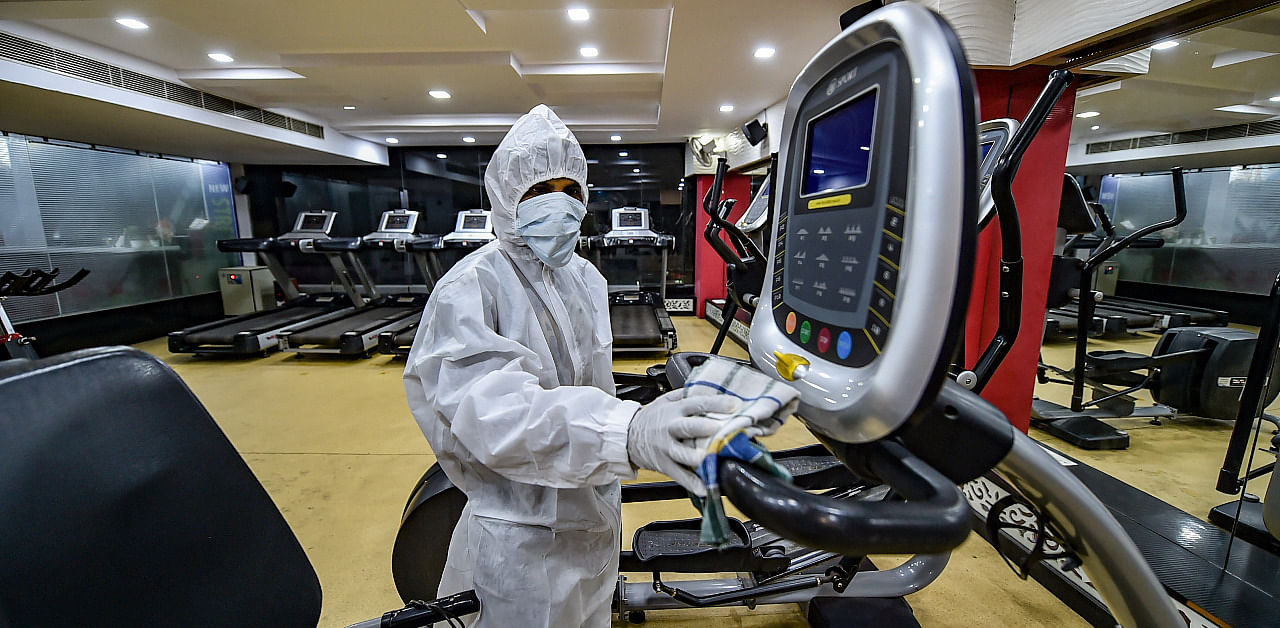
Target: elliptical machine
[{"x": 1198, "y": 371}]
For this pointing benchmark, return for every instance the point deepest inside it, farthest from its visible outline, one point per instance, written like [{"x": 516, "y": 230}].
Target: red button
[{"x": 824, "y": 340}]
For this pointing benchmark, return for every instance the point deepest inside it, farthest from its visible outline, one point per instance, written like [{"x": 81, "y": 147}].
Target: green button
[{"x": 805, "y": 332}]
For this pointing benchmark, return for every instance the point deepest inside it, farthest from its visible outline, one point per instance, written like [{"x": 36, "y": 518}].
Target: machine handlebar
[
  {"x": 932, "y": 519},
  {"x": 1180, "y": 214}
]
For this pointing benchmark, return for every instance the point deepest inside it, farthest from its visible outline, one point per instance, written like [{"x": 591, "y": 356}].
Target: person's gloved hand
[{"x": 662, "y": 435}]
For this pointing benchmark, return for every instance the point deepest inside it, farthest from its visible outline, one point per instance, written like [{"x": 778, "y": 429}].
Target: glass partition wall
[
  {"x": 144, "y": 225},
  {"x": 1230, "y": 240}
]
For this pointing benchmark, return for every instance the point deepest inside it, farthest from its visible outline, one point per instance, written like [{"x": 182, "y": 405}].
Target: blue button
[{"x": 844, "y": 345}]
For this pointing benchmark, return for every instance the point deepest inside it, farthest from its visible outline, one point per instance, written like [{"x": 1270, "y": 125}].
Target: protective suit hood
[{"x": 537, "y": 148}]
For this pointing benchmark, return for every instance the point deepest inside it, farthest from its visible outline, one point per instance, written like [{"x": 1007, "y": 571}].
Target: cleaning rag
[{"x": 766, "y": 404}]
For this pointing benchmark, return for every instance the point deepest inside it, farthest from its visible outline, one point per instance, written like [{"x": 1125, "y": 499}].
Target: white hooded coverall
[{"x": 510, "y": 378}]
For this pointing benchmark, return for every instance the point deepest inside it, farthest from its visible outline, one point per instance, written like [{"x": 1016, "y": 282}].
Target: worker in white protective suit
[{"x": 510, "y": 378}]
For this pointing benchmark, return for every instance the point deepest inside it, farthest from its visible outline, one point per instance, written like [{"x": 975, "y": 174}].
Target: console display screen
[
  {"x": 479, "y": 223},
  {"x": 312, "y": 222},
  {"x": 630, "y": 219},
  {"x": 839, "y": 146},
  {"x": 397, "y": 222}
]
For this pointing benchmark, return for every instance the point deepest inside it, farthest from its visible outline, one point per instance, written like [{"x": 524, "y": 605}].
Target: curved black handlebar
[
  {"x": 1011, "y": 263},
  {"x": 36, "y": 282},
  {"x": 718, "y": 212},
  {"x": 1180, "y": 214},
  {"x": 934, "y": 518}
]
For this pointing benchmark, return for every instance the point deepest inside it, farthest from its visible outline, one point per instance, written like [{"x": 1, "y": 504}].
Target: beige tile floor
[{"x": 335, "y": 446}]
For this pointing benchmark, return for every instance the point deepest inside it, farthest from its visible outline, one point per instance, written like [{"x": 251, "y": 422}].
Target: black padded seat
[
  {"x": 634, "y": 325},
  {"x": 125, "y": 505},
  {"x": 1074, "y": 214}
]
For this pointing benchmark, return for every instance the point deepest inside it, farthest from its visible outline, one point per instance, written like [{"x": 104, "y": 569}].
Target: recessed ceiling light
[
  {"x": 636, "y": 170},
  {"x": 726, "y": 108},
  {"x": 128, "y": 22},
  {"x": 440, "y": 94},
  {"x": 764, "y": 52},
  {"x": 579, "y": 15},
  {"x": 591, "y": 185},
  {"x": 615, "y": 138},
  {"x": 468, "y": 139},
  {"x": 1088, "y": 114},
  {"x": 588, "y": 51},
  {"x": 349, "y": 107},
  {"x": 1274, "y": 99},
  {"x": 1094, "y": 128},
  {"x": 393, "y": 140},
  {"x": 441, "y": 156},
  {"x": 1165, "y": 45},
  {"x": 221, "y": 57},
  {"x": 623, "y": 153}
]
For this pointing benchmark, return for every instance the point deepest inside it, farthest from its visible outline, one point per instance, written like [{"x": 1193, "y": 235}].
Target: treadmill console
[
  {"x": 630, "y": 227},
  {"x": 396, "y": 228},
  {"x": 871, "y": 250},
  {"x": 473, "y": 228},
  {"x": 310, "y": 226},
  {"x": 993, "y": 139}
]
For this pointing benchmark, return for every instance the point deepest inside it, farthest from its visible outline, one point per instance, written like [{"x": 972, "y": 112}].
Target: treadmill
[
  {"x": 256, "y": 333},
  {"x": 356, "y": 334},
  {"x": 638, "y": 316},
  {"x": 473, "y": 229}
]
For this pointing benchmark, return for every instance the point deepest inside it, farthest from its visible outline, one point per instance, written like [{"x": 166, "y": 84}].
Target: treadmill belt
[
  {"x": 634, "y": 326},
  {"x": 329, "y": 333},
  {"x": 225, "y": 334}
]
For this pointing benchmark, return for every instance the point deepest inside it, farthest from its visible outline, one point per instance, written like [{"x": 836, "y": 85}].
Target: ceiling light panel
[
  {"x": 468, "y": 139},
  {"x": 128, "y": 22},
  {"x": 393, "y": 140},
  {"x": 579, "y": 14},
  {"x": 764, "y": 52},
  {"x": 1088, "y": 114},
  {"x": 1165, "y": 45},
  {"x": 726, "y": 108},
  {"x": 440, "y": 94},
  {"x": 221, "y": 57},
  {"x": 589, "y": 51}
]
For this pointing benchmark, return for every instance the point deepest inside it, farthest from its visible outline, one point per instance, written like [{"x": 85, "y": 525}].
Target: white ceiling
[
  {"x": 1182, "y": 90},
  {"x": 664, "y": 68}
]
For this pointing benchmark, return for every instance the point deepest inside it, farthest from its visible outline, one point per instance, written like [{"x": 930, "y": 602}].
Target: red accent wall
[
  {"x": 708, "y": 275},
  {"x": 1037, "y": 190}
]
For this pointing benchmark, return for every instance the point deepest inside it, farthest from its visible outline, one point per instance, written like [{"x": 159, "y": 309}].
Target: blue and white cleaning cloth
[{"x": 766, "y": 404}]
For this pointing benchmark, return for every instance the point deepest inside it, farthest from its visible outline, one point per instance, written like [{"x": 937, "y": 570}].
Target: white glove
[{"x": 661, "y": 434}]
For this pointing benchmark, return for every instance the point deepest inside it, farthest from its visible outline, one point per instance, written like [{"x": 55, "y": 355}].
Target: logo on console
[{"x": 840, "y": 81}]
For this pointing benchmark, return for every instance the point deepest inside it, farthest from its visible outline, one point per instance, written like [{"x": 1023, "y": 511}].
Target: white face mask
[{"x": 549, "y": 224}]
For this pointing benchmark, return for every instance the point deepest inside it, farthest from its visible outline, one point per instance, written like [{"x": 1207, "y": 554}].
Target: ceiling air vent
[
  {"x": 1153, "y": 140},
  {"x": 1269, "y": 127},
  {"x": 22, "y": 50},
  {"x": 1227, "y": 132},
  {"x": 1264, "y": 128}
]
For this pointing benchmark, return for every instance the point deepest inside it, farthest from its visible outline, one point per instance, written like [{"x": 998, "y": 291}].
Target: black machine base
[
  {"x": 1250, "y": 527},
  {"x": 673, "y": 547},
  {"x": 1081, "y": 430}
]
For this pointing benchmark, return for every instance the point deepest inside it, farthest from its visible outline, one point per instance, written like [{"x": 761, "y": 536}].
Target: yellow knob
[{"x": 788, "y": 363}]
